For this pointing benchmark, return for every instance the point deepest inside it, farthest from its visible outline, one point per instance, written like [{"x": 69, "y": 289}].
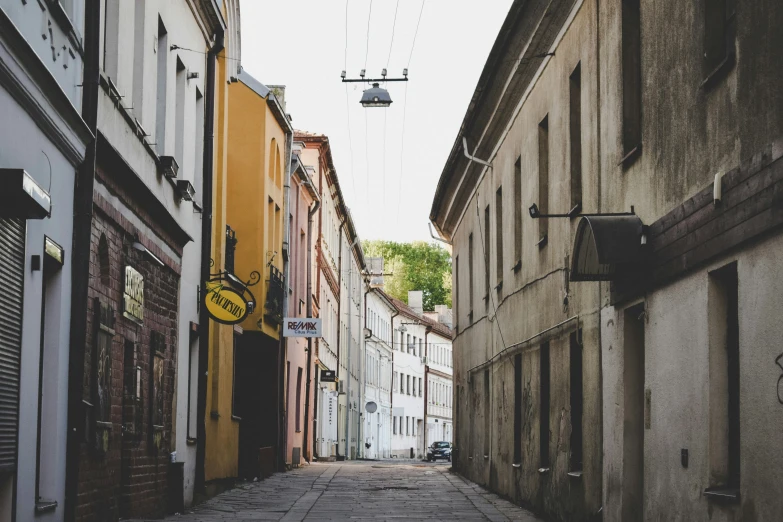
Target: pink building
[{"x": 303, "y": 201}]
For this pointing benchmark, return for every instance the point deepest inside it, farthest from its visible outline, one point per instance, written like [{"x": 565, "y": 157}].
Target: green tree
[{"x": 414, "y": 266}]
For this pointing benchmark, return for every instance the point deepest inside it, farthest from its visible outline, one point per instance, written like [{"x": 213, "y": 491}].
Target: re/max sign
[{"x": 301, "y": 327}]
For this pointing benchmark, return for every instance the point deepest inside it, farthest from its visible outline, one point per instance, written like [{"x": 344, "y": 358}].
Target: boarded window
[
  {"x": 577, "y": 400},
  {"x": 632, "y": 77},
  {"x": 543, "y": 411},
  {"x": 719, "y": 31},
  {"x": 575, "y": 136},
  {"x": 543, "y": 179},
  {"x": 518, "y": 408}
]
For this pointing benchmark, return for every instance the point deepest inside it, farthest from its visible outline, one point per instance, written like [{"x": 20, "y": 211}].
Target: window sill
[
  {"x": 543, "y": 241},
  {"x": 575, "y": 474},
  {"x": 486, "y": 457},
  {"x": 718, "y": 73},
  {"x": 516, "y": 466},
  {"x": 499, "y": 287},
  {"x": 721, "y": 494},
  {"x": 214, "y": 414},
  {"x": 631, "y": 156},
  {"x": 45, "y": 506},
  {"x": 543, "y": 471},
  {"x": 298, "y": 431},
  {"x": 235, "y": 418},
  {"x": 190, "y": 441},
  {"x": 517, "y": 267}
]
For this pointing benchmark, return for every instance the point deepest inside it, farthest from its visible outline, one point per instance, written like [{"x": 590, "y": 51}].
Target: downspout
[
  {"x": 80, "y": 271},
  {"x": 282, "y": 433},
  {"x": 348, "y": 386},
  {"x": 309, "y": 265},
  {"x": 427, "y": 331},
  {"x": 393, "y": 384},
  {"x": 206, "y": 256},
  {"x": 339, "y": 330}
]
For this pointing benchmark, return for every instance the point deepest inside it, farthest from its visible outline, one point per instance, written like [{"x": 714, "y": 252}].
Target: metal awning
[
  {"x": 21, "y": 196},
  {"x": 604, "y": 244}
]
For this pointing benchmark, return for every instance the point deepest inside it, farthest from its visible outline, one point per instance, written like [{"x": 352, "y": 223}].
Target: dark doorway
[
  {"x": 633, "y": 416},
  {"x": 255, "y": 401}
]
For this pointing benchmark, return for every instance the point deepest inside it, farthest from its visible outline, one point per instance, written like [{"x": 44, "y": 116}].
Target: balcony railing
[{"x": 273, "y": 308}]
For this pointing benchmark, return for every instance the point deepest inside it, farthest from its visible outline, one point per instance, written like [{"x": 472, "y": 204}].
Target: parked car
[{"x": 439, "y": 450}]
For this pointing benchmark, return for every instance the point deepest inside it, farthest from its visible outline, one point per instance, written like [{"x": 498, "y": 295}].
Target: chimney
[{"x": 416, "y": 301}]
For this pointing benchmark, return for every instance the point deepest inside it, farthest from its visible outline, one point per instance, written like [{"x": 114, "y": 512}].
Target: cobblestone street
[{"x": 359, "y": 491}]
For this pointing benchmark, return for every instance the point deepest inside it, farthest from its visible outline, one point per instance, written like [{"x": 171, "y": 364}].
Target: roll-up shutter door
[{"x": 12, "y": 232}]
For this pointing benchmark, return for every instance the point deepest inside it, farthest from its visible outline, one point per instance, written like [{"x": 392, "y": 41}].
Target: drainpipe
[
  {"x": 427, "y": 331},
  {"x": 348, "y": 386},
  {"x": 310, "y": 214},
  {"x": 393, "y": 384},
  {"x": 82, "y": 232},
  {"x": 206, "y": 256},
  {"x": 339, "y": 330},
  {"x": 282, "y": 421}
]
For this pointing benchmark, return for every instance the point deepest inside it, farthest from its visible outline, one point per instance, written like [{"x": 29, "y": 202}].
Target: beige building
[{"x": 649, "y": 390}]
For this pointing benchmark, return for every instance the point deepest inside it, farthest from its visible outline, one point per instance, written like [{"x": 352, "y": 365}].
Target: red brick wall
[{"x": 129, "y": 481}]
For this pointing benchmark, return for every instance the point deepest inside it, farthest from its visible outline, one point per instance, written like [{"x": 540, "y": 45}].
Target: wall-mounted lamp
[
  {"x": 535, "y": 213},
  {"x": 141, "y": 248}
]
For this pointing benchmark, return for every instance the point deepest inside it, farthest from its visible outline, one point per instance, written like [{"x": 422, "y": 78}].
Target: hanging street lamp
[{"x": 376, "y": 96}]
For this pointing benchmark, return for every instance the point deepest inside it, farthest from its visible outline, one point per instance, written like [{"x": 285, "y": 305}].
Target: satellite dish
[{"x": 371, "y": 407}]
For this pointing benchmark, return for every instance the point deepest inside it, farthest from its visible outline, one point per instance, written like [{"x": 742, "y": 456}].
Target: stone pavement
[{"x": 359, "y": 491}]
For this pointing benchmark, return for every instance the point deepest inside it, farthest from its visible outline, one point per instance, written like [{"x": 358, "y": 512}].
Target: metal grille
[
  {"x": 12, "y": 232},
  {"x": 273, "y": 308}
]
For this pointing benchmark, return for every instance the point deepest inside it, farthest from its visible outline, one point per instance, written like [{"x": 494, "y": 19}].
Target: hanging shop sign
[
  {"x": 301, "y": 327},
  {"x": 133, "y": 296},
  {"x": 228, "y": 299},
  {"x": 224, "y": 304},
  {"x": 328, "y": 376}
]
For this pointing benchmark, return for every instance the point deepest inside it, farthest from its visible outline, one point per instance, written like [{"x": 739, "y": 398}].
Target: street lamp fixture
[
  {"x": 376, "y": 97},
  {"x": 535, "y": 213}
]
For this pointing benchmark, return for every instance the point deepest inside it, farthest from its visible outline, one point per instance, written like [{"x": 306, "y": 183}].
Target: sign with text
[
  {"x": 328, "y": 376},
  {"x": 133, "y": 296},
  {"x": 224, "y": 304},
  {"x": 301, "y": 327}
]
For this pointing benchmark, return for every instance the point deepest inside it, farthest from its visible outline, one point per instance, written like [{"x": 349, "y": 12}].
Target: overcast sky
[{"x": 388, "y": 174}]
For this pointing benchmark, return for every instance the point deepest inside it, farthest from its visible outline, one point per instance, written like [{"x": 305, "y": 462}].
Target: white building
[
  {"x": 409, "y": 329},
  {"x": 377, "y": 430},
  {"x": 43, "y": 140},
  {"x": 439, "y": 382}
]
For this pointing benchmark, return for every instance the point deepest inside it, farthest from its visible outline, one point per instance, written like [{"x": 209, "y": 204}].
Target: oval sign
[
  {"x": 371, "y": 407},
  {"x": 224, "y": 304}
]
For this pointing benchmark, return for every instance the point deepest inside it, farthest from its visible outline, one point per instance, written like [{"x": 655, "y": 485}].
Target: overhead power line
[{"x": 394, "y": 25}]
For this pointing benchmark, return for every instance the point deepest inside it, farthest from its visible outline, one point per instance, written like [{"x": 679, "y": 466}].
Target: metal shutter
[{"x": 12, "y": 232}]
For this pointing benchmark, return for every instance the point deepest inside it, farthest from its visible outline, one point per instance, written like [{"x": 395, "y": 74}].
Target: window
[
  {"x": 632, "y": 78},
  {"x": 487, "y": 425},
  {"x": 236, "y": 398},
  {"x": 470, "y": 278},
  {"x": 543, "y": 180},
  {"x": 575, "y": 137},
  {"x": 299, "y": 400},
  {"x": 402, "y": 383},
  {"x": 160, "y": 109},
  {"x": 577, "y": 400},
  {"x": 456, "y": 291},
  {"x": 394, "y": 425},
  {"x": 139, "y": 39},
  {"x": 198, "y": 160},
  {"x": 719, "y": 30},
  {"x": 518, "y": 408},
  {"x": 543, "y": 410},
  {"x": 179, "y": 117},
  {"x": 407, "y": 425},
  {"x": 485, "y": 247},
  {"x": 724, "y": 378},
  {"x": 192, "y": 389},
  {"x": 421, "y": 389},
  {"x": 157, "y": 374},
  {"x": 408, "y": 383},
  {"x": 499, "y": 237},
  {"x": 517, "y": 204}
]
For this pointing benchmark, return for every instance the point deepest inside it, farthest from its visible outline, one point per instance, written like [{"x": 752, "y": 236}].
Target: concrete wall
[
  {"x": 39, "y": 94},
  {"x": 532, "y": 299}
]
